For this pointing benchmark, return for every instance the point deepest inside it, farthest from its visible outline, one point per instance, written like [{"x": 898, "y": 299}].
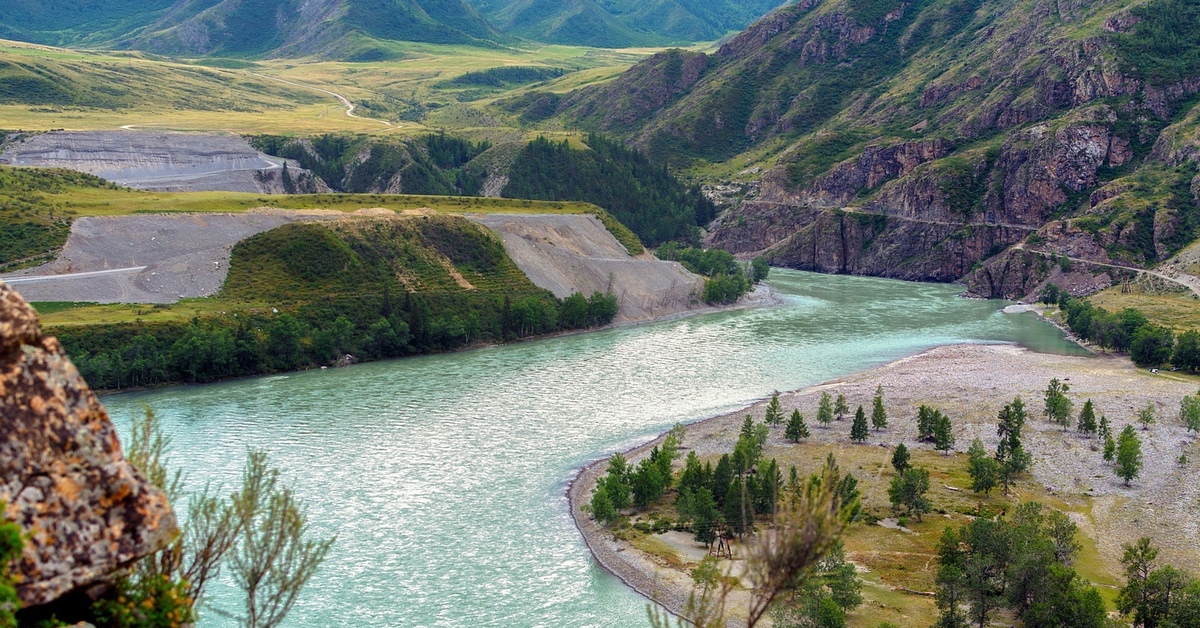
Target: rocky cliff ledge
[{"x": 86, "y": 512}]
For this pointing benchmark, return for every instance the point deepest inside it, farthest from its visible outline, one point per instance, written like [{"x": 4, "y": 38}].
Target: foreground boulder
[{"x": 86, "y": 512}]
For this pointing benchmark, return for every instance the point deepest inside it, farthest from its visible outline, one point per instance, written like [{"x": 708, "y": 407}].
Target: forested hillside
[
  {"x": 927, "y": 139},
  {"x": 643, "y": 195},
  {"x": 308, "y": 294}
]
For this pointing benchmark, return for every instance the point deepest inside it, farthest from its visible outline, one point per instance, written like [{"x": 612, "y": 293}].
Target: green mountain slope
[
  {"x": 249, "y": 28},
  {"x": 622, "y": 23},
  {"x": 936, "y": 139}
]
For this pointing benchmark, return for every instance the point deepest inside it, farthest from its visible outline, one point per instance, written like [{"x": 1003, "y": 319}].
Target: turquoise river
[{"x": 444, "y": 476}]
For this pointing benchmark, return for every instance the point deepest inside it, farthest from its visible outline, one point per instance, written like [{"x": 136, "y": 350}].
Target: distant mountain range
[
  {"x": 361, "y": 29},
  {"x": 623, "y": 23}
]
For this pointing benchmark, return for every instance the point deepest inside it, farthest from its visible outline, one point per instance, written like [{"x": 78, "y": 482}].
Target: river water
[{"x": 444, "y": 476}]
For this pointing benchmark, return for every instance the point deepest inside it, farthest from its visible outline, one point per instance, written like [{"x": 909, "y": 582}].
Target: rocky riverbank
[{"x": 971, "y": 383}]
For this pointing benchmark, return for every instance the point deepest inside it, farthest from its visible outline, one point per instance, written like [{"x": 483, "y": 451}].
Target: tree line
[
  {"x": 1149, "y": 345},
  {"x": 317, "y": 334}
]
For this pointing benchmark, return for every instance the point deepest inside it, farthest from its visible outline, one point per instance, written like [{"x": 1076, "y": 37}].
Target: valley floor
[{"x": 971, "y": 383}]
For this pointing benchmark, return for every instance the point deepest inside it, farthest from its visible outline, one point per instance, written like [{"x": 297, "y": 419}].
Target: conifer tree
[
  {"x": 1129, "y": 455},
  {"x": 1087, "y": 418},
  {"x": 1011, "y": 456},
  {"x": 1058, "y": 406},
  {"x": 943, "y": 433},
  {"x": 925, "y": 423},
  {"x": 1105, "y": 429},
  {"x": 859, "y": 430},
  {"x": 984, "y": 470},
  {"x": 1110, "y": 448},
  {"x": 1189, "y": 412},
  {"x": 825, "y": 410},
  {"x": 1146, "y": 416},
  {"x": 878, "y": 414},
  {"x": 774, "y": 414},
  {"x": 840, "y": 408},
  {"x": 796, "y": 429},
  {"x": 900, "y": 458}
]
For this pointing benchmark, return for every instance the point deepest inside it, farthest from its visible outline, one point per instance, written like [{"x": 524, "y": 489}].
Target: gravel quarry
[
  {"x": 575, "y": 253},
  {"x": 168, "y": 257},
  {"x": 149, "y": 259},
  {"x": 158, "y": 161}
]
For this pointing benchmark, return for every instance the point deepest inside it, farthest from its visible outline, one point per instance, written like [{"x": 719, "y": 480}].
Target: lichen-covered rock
[{"x": 86, "y": 511}]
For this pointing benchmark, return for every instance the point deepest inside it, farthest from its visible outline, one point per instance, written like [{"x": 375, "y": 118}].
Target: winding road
[{"x": 350, "y": 107}]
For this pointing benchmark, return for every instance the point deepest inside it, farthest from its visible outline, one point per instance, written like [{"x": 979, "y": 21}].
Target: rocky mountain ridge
[{"x": 924, "y": 139}]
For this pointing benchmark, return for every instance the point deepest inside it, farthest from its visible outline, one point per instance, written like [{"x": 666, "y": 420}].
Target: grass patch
[{"x": 1179, "y": 311}]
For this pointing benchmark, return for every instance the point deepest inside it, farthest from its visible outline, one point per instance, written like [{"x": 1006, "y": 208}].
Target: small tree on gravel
[
  {"x": 1189, "y": 412},
  {"x": 796, "y": 429},
  {"x": 825, "y": 410},
  {"x": 926, "y": 421},
  {"x": 1058, "y": 406},
  {"x": 1146, "y": 416},
  {"x": 1105, "y": 428},
  {"x": 878, "y": 414},
  {"x": 859, "y": 430},
  {"x": 840, "y": 408},
  {"x": 900, "y": 459},
  {"x": 1129, "y": 455},
  {"x": 774, "y": 414},
  {"x": 1087, "y": 418},
  {"x": 1110, "y": 448}
]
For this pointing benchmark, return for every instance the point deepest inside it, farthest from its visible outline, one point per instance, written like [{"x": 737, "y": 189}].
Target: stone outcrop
[{"x": 86, "y": 512}]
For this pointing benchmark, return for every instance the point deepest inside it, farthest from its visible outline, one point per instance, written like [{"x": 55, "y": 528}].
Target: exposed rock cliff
[
  {"x": 86, "y": 512},
  {"x": 923, "y": 138}
]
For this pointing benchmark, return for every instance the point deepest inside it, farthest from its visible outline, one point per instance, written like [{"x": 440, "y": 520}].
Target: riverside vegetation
[
  {"x": 306, "y": 295},
  {"x": 1017, "y": 560}
]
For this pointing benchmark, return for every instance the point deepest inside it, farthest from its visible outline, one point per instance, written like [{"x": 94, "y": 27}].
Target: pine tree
[
  {"x": 900, "y": 459},
  {"x": 825, "y": 410},
  {"x": 774, "y": 414},
  {"x": 840, "y": 408},
  {"x": 878, "y": 414},
  {"x": 1189, "y": 412},
  {"x": 908, "y": 491},
  {"x": 1110, "y": 448},
  {"x": 1011, "y": 456},
  {"x": 796, "y": 429},
  {"x": 1058, "y": 406},
  {"x": 1087, "y": 418},
  {"x": 859, "y": 430},
  {"x": 943, "y": 433},
  {"x": 1129, "y": 455},
  {"x": 1146, "y": 416},
  {"x": 925, "y": 423},
  {"x": 1105, "y": 429},
  {"x": 984, "y": 470}
]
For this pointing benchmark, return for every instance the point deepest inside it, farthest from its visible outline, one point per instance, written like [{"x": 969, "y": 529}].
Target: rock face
[
  {"x": 165, "y": 162},
  {"x": 86, "y": 512},
  {"x": 921, "y": 141},
  {"x": 575, "y": 253}
]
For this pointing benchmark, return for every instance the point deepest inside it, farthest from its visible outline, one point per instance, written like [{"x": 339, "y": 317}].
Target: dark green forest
[
  {"x": 431, "y": 165},
  {"x": 643, "y": 195}
]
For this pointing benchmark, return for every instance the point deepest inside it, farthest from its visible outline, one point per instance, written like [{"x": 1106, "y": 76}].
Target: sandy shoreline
[{"x": 972, "y": 381}]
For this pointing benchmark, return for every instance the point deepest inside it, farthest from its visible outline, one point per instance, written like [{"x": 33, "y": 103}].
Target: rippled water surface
[{"x": 444, "y": 476}]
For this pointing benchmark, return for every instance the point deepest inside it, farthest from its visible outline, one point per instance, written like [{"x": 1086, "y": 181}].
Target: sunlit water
[{"x": 444, "y": 476}]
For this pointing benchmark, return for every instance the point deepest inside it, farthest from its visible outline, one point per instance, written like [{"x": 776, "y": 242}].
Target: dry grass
[{"x": 1179, "y": 311}]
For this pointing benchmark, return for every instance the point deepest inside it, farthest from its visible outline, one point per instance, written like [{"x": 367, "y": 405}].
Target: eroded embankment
[
  {"x": 164, "y": 258},
  {"x": 148, "y": 259},
  {"x": 164, "y": 162},
  {"x": 971, "y": 383},
  {"x": 575, "y": 253}
]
